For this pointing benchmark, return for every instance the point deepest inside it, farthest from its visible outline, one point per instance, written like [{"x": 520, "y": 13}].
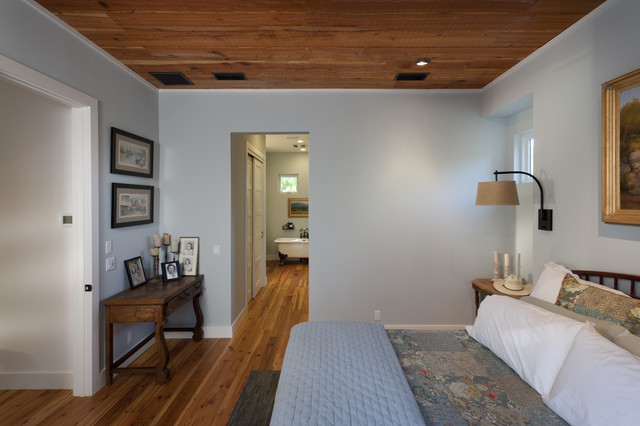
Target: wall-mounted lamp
[{"x": 504, "y": 193}]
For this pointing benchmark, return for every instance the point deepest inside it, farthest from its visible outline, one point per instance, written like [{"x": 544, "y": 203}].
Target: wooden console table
[{"x": 151, "y": 302}]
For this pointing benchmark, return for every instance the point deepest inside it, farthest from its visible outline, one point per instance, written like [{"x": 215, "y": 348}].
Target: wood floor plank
[{"x": 207, "y": 377}]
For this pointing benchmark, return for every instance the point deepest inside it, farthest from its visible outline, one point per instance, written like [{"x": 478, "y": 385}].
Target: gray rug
[{"x": 255, "y": 404}]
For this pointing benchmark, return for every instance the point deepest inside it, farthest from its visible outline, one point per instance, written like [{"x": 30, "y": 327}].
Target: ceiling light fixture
[{"x": 422, "y": 62}]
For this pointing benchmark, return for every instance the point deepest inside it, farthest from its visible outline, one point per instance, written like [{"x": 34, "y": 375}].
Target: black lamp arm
[{"x": 496, "y": 173}]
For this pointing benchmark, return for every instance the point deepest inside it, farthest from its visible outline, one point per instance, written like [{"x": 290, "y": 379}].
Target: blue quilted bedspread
[{"x": 343, "y": 373}]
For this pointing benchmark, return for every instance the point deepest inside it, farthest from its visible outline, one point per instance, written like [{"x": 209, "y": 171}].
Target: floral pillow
[{"x": 596, "y": 303}]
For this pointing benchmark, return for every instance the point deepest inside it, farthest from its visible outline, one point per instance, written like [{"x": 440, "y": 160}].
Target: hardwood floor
[{"x": 206, "y": 377}]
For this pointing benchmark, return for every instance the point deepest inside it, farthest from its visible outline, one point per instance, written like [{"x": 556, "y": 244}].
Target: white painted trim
[
  {"x": 217, "y": 332},
  {"x": 241, "y": 317},
  {"x": 12, "y": 381},
  {"x": 88, "y": 42},
  {"x": 551, "y": 43},
  {"x": 425, "y": 327},
  {"x": 84, "y": 119}
]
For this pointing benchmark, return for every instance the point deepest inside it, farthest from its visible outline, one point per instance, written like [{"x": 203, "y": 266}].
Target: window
[
  {"x": 523, "y": 155},
  {"x": 288, "y": 183}
]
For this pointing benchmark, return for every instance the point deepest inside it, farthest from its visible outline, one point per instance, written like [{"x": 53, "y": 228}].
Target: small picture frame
[
  {"x": 135, "y": 272},
  {"x": 171, "y": 271},
  {"x": 298, "y": 207},
  {"x": 131, "y": 205},
  {"x": 188, "y": 255},
  {"x": 131, "y": 154}
]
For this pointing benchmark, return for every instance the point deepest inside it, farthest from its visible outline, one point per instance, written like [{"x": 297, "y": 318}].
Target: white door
[
  {"x": 259, "y": 244},
  {"x": 249, "y": 229}
]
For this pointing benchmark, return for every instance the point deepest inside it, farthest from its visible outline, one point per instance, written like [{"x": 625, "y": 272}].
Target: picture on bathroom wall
[
  {"x": 298, "y": 207},
  {"x": 621, "y": 149}
]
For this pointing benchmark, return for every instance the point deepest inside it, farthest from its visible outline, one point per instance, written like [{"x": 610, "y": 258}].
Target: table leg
[
  {"x": 198, "y": 334},
  {"x": 109, "y": 345},
  {"x": 477, "y": 301},
  {"x": 162, "y": 372}
]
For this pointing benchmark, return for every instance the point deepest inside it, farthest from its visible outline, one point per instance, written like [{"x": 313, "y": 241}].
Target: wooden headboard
[{"x": 612, "y": 279}]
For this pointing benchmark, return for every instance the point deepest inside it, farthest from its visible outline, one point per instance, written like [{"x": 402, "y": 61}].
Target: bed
[{"x": 577, "y": 361}]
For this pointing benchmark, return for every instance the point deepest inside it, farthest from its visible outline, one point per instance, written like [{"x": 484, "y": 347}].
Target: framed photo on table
[
  {"x": 171, "y": 271},
  {"x": 131, "y": 154},
  {"x": 135, "y": 272},
  {"x": 621, "y": 150},
  {"x": 131, "y": 205},
  {"x": 188, "y": 255}
]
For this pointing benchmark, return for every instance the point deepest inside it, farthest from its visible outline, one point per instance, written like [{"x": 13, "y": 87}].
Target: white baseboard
[
  {"x": 273, "y": 257},
  {"x": 425, "y": 327},
  {"x": 236, "y": 324},
  {"x": 36, "y": 381}
]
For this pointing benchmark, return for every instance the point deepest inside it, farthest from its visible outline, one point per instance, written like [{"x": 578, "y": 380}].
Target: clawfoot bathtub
[{"x": 293, "y": 247}]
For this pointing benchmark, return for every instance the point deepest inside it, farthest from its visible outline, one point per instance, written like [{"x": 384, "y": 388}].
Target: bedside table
[{"x": 484, "y": 287}]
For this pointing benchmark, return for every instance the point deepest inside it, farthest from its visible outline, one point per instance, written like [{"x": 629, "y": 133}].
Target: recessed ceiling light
[{"x": 422, "y": 62}]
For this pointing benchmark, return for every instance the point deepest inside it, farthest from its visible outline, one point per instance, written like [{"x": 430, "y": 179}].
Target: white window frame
[
  {"x": 523, "y": 144},
  {"x": 287, "y": 175}
]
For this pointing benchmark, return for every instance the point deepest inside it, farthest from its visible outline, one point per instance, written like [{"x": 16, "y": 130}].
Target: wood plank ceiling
[{"x": 321, "y": 44}]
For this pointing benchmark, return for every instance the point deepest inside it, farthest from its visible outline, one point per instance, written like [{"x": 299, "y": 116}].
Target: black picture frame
[
  {"x": 131, "y": 204},
  {"x": 171, "y": 271},
  {"x": 131, "y": 154},
  {"x": 135, "y": 272}
]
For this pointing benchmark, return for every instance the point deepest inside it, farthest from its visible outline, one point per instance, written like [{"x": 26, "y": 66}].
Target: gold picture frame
[
  {"x": 621, "y": 150},
  {"x": 298, "y": 207}
]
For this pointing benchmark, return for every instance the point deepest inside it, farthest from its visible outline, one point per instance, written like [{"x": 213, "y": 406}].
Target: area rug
[{"x": 256, "y": 400}]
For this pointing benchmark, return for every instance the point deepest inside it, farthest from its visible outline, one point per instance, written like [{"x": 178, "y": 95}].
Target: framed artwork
[
  {"x": 171, "y": 271},
  {"x": 131, "y": 154},
  {"x": 621, "y": 149},
  {"x": 188, "y": 255},
  {"x": 298, "y": 207},
  {"x": 131, "y": 205},
  {"x": 135, "y": 272}
]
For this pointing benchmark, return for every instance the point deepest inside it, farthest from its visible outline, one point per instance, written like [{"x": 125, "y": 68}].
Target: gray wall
[
  {"x": 277, "y": 202},
  {"x": 402, "y": 235},
  {"x": 565, "y": 81},
  {"x": 32, "y": 38}
]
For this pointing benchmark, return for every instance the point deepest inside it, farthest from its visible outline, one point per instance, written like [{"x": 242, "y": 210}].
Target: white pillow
[
  {"x": 598, "y": 384},
  {"x": 532, "y": 341},
  {"x": 549, "y": 282}
]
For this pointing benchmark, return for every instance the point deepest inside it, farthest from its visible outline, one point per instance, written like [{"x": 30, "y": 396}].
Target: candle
[
  {"x": 174, "y": 246},
  {"x": 495, "y": 256},
  {"x": 506, "y": 259},
  {"x": 166, "y": 239},
  {"x": 154, "y": 251},
  {"x": 157, "y": 241}
]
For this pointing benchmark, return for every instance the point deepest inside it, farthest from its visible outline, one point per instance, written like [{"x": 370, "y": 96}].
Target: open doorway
[{"x": 261, "y": 206}]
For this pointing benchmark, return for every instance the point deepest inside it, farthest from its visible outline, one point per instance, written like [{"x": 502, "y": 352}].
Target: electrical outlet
[
  {"x": 110, "y": 263},
  {"x": 129, "y": 337},
  {"x": 376, "y": 315}
]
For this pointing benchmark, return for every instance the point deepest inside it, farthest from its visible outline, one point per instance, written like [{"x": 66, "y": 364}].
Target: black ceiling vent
[
  {"x": 172, "y": 78},
  {"x": 229, "y": 75},
  {"x": 411, "y": 76}
]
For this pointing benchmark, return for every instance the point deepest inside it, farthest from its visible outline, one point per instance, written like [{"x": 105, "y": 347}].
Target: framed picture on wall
[
  {"x": 135, "y": 272},
  {"x": 131, "y": 154},
  {"x": 188, "y": 255},
  {"x": 298, "y": 207},
  {"x": 621, "y": 149},
  {"x": 131, "y": 205}
]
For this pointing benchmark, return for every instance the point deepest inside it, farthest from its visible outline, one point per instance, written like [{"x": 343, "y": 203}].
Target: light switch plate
[
  {"x": 110, "y": 263},
  {"x": 108, "y": 247}
]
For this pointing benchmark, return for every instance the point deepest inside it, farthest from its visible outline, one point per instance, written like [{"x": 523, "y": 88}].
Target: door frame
[
  {"x": 250, "y": 150},
  {"x": 84, "y": 142}
]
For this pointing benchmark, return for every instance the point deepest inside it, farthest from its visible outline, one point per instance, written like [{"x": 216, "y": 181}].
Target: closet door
[{"x": 259, "y": 244}]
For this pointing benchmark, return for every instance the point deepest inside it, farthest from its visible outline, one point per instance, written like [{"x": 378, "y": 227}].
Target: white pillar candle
[
  {"x": 166, "y": 239},
  {"x": 506, "y": 259},
  {"x": 157, "y": 240},
  {"x": 174, "y": 246},
  {"x": 154, "y": 251},
  {"x": 495, "y": 256}
]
